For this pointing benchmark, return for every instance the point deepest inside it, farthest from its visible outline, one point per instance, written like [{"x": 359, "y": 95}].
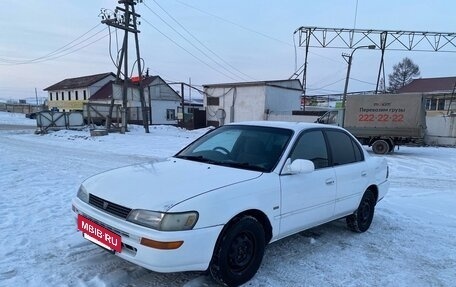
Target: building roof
[
  {"x": 103, "y": 93},
  {"x": 256, "y": 83},
  {"x": 146, "y": 81},
  {"x": 430, "y": 85},
  {"x": 106, "y": 91},
  {"x": 80, "y": 82}
]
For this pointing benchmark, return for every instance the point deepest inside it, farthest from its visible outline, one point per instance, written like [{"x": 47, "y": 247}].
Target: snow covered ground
[{"x": 410, "y": 243}]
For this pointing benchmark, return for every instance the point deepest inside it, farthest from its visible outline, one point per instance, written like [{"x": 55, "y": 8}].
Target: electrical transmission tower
[
  {"x": 382, "y": 39},
  {"x": 126, "y": 19}
]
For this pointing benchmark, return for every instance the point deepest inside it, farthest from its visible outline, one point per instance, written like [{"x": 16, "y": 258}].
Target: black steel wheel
[
  {"x": 239, "y": 252},
  {"x": 361, "y": 220}
]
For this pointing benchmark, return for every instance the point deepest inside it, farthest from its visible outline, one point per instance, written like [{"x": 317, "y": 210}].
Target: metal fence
[
  {"x": 49, "y": 120},
  {"x": 21, "y": 108}
]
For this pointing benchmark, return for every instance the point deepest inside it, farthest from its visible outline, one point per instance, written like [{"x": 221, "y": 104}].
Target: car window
[
  {"x": 248, "y": 147},
  {"x": 311, "y": 146},
  {"x": 224, "y": 140},
  {"x": 343, "y": 148}
]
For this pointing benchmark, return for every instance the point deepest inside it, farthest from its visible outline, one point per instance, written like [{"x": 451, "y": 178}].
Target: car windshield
[{"x": 248, "y": 147}]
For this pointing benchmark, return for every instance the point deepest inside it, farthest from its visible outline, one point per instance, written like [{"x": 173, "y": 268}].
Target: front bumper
[{"x": 194, "y": 255}]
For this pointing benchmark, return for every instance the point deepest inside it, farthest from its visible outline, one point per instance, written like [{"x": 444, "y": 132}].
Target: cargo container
[{"x": 382, "y": 121}]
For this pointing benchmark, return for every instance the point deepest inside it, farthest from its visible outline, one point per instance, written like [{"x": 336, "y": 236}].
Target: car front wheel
[
  {"x": 361, "y": 220},
  {"x": 239, "y": 252}
]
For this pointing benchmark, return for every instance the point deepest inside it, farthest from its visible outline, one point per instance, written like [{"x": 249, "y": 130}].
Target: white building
[
  {"x": 246, "y": 101},
  {"x": 163, "y": 100},
  {"x": 71, "y": 93},
  {"x": 440, "y": 96}
]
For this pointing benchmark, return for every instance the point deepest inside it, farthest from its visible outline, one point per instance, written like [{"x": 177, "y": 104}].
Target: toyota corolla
[{"x": 217, "y": 203}]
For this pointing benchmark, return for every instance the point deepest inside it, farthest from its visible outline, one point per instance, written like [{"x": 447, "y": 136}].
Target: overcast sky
[{"x": 46, "y": 41}]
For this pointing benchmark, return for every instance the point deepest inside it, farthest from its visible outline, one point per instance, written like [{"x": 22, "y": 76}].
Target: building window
[
  {"x": 85, "y": 95},
  {"x": 63, "y": 96},
  {"x": 69, "y": 95},
  {"x": 435, "y": 104},
  {"x": 170, "y": 115},
  {"x": 441, "y": 105},
  {"x": 212, "y": 101},
  {"x": 57, "y": 96},
  {"x": 76, "y": 95},
  {"x": 50, "y": 96}
]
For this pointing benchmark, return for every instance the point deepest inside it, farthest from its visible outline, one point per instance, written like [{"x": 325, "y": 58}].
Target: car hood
[{"x": 159, "y": 186}]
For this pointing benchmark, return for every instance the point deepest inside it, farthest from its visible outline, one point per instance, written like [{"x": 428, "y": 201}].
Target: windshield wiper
[
  {"x": 244, "y": 165},
  {"x": 198, "y": 158}
]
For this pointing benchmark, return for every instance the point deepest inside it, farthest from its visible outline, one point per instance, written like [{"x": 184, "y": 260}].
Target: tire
[
  {"x": 391, "y": 147},
  {"x": 361, "y": 220},
  {"x": 238, "y": 252},
  {"x": 380, "y": 147}
]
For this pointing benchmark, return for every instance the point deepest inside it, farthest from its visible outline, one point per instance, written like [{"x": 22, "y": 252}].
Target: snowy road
[{"x": 411, "y": 242}]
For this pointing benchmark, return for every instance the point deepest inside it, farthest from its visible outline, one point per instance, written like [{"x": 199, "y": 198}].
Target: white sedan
[{"x": 217, "y": 203}]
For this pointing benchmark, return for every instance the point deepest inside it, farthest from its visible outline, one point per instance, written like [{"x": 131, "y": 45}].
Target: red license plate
[{"x": 99, "y": 235}]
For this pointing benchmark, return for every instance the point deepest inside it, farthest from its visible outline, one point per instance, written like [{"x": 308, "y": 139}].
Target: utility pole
[
  {"x": 190, "y": 89},
  {"x": 36, "y": 97},
  {"x": 183, "y": 103},
  {"x": 126, "y": 20},
  {"x": 349, "y": 62}
]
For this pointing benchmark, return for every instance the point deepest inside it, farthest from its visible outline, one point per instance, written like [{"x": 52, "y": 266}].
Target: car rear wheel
[
  {"x": 239, "y": 252},
  {"x": 361, "y": 220}
]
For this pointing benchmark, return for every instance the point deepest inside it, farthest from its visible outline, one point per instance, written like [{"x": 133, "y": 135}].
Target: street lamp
[{"x": 349, "y": 61}]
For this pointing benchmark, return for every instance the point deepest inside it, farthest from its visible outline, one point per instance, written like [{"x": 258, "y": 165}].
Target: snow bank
[{"x": 411, "y": 242}]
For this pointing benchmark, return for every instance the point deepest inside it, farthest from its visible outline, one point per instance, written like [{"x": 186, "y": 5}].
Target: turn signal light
[{"x": 161, "y": 245}]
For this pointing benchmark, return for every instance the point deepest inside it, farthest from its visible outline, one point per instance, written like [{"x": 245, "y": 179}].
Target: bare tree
[{"x": 402, "y": 74}]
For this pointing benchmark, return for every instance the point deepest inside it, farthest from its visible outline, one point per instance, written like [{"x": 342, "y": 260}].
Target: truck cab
[{"x": 333, "y": 117}]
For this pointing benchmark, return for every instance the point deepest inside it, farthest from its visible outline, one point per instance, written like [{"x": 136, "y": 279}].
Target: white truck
[{"x": 383, "y": 120}]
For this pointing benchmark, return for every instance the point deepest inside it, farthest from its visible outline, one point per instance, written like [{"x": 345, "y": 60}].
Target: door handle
[
  {"x": 330, "y": 181},
  {"x": 363, "y": 173}
]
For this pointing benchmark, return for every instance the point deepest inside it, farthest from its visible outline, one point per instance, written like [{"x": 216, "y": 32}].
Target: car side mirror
[{"x": 300, "y": 166}]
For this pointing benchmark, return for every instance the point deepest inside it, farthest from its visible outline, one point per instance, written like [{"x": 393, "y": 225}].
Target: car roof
[{"x": 296, "y": 126}]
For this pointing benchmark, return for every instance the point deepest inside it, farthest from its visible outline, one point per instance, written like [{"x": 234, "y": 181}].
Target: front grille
[{"x": 109, "y": 207}]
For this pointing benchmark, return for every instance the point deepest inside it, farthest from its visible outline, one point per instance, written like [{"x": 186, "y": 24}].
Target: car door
[
  {"x": 307, "y": 198},
  {"x": 350, "y": 168}
]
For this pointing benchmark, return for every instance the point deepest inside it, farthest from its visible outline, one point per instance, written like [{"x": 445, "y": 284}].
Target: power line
[
  {"x": 233, "y": 23},
  {"x": 53, "y": 52},
  {"x": 330, "y": 84},
  {"x": 192, "y": 44},
  {"x": 249, "y": 29},
  {"x": 361, "y": 81},
  {"x": 74, "y": 51},
  {"x": 80, "y": 48},
  {"x": 58, "y": 52},
  {"x": 190, "y": 53},
  {"x": 201, "y": 43},
  {"x": 356, "y": 14}
]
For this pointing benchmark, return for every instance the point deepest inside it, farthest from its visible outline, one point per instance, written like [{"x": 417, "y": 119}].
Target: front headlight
[
  {"x": 164, "y": 221},
  {"x": 83, "y": 194}
]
